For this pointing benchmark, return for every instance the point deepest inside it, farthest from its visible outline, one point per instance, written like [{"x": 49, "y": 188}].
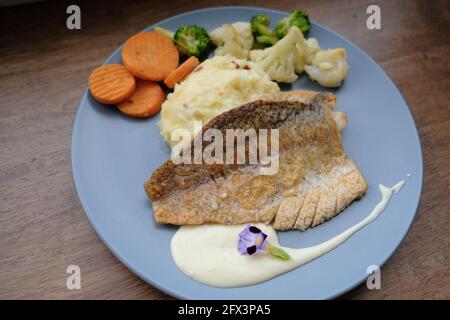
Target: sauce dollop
[{"x": 208, "y": 253}]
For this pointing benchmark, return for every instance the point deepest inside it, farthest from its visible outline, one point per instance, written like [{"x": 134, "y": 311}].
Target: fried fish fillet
[{"x": 315, "y": 180}]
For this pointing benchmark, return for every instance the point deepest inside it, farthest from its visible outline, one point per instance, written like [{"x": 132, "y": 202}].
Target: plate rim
[{"x": 173, "y": 293}]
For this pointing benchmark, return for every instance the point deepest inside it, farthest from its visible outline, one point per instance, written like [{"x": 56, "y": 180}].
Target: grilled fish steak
[{"x": 315, "y": 180}]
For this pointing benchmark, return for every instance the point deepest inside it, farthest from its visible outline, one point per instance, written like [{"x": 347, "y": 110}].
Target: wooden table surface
[{"x": 43, "y": 72}]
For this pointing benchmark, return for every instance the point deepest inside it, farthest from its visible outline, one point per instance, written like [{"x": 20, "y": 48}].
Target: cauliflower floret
[
  {"x": 235, "y": 40},
  {"x": 312, "y": 46},
  {"x": 328, "y": 68},
  {"x": 284, "y": 59},
  {"x": 303, "y": 53},
  {"x": 308, "y": 49}
]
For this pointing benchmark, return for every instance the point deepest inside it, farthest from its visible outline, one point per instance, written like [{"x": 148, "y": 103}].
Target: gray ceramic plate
[{"x": 112, "y": 155}]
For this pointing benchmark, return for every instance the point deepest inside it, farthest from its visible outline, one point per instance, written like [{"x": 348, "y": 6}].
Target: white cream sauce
[{"x": 208, "y": 253}]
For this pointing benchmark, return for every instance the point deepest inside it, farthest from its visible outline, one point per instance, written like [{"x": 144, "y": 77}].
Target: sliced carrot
[
  {"x": 145, "y": 102},
  {"x": 183, "y": 70},
  {"x": 150, "y": 56},
  {"x": 111, "y": 83}
]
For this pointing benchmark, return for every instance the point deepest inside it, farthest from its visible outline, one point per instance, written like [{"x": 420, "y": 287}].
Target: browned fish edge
[{"x": 161, "y": 181}]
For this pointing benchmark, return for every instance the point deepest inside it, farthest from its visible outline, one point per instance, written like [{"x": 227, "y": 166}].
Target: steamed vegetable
[
  {"x": 234, "y": 39},
  {"x": 312, "y": 47},
  {"x": 264, "y": 37},
  {"x": 192, "y": 40},
  {"x": 283, "y": 60},
  {"x": 298, "y": 19},
  {"x": 145, "y": 101},
  {"x": 307, "y": 49},
  {"x": 111, "y": 83},
  {"x": 150, "y": 56},
  {"x": 329, "y": 67},
  {"x": 183, "y": 70}
]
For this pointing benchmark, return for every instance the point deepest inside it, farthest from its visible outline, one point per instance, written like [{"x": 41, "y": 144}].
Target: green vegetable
[
  {"x": 193, "y": 40},
  {"x": 297, "y": 18},
  {"x": 264, "y": 37},
  {"x": 258, "y": 46}
]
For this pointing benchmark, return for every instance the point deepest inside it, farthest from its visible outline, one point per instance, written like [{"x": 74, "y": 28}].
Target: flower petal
[
  {"x": 251, "y": 239},
  {"x": 251, "y": 250},
  {"x": 254, "y": 229}
]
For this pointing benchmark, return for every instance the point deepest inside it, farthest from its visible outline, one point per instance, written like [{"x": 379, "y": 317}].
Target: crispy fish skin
[{"x": 315, "y": 180}]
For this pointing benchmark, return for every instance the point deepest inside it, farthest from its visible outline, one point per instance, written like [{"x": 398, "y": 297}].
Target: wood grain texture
[{"x": 44, "y": 70}]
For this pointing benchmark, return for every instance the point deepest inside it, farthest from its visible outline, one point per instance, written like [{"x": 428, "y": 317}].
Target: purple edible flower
[{"x": 251, "y": 239}]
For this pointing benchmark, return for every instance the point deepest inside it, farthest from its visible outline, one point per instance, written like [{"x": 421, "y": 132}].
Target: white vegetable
[
  {"x": 307, "y": 50},
  {"x": 328, "y": 67},
  {"x": 235, "y": 40},
  {"x": 313, "y": 47},
  {"x": 284, "y": 59}
]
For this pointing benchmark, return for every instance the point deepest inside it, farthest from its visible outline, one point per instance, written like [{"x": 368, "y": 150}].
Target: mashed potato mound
[{"x": 217, "y": 85}]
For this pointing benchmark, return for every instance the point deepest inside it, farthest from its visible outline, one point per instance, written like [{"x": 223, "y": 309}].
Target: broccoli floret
[
  {"x": 258, "y": 46},
  {"x": 192, "y": 41},
  {"x": 264, "y": 37},
  {"x": 298, "y": 19},
  {"x": 261, "y": 19}
]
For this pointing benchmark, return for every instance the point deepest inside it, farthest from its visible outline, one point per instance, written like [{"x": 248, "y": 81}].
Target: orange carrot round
[
  {"x": 111, "y": 83},
  {"x": 150, "y": 56},
  {"x": 183, "y": 70},
  {"x": 145, "y": 102}
]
